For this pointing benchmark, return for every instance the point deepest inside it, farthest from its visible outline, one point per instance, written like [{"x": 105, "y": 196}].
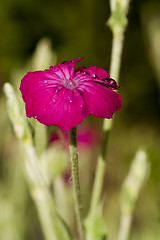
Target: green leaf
[
  {"x": 19, "y": 123},
  {"x": 95, "y": 226}
]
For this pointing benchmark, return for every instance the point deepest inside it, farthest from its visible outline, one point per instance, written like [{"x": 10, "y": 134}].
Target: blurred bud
[
  {"x": 19, "y": 123},
  {"x": 43, "y": 56},
  {"x": 87, "y": 137},
  {"x": 133, "y": 183}
]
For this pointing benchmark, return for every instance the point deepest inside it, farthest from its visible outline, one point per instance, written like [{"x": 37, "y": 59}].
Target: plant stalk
[
  {"x": 117, "y": 46},
  {"x": 125, "y": 224},
  {"x": 75, "y": 179}
]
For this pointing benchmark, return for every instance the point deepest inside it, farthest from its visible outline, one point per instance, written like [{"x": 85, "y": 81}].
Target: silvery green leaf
[
  {"x": 96, "y": 230},
  {"x": 17, "y": 118}
]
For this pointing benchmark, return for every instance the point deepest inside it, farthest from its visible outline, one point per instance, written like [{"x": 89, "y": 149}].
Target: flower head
[{"x": 64, "y": 96}]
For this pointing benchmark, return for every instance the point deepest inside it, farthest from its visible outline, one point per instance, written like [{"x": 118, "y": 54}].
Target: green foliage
[
  {"x": 52, "y": 224},
  {"x": 19, "y": 121},
  {"x": 98, "y": 229}
]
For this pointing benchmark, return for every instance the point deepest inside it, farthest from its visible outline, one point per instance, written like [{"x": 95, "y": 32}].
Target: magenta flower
[
  {"x": 87, "y": 137},
  {"x": 64, "y": 96}
]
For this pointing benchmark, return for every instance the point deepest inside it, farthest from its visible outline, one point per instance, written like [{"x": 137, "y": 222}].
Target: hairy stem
[{"x": 75, "y": 178}]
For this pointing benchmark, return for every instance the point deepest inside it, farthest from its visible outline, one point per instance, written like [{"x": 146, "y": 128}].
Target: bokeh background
[{"x": 77, "y": 28}]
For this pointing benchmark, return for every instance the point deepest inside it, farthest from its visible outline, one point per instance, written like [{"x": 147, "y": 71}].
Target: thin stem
[
  {"x": 97, "y": 187},
  {"x": 117, "y": 45},
  {"x": 75, "y": 178},
  {"x": 100, "y": 171}
]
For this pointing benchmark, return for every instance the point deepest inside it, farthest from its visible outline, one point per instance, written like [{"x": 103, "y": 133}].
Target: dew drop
[
  {"x": 35, "y": 117},
  {"x": 45, "y": 81},
  {"x": 70, "y": 101},
  {"x": 54, "y": 100},
  {"x": 111, "y": 81}
]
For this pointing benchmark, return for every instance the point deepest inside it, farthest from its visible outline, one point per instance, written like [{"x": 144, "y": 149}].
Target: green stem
[
  {"x": 117, "y": 45},
  {"x": 75, "y": 178},
  {"x": 100, "y": 170},
  {"x": 98, "y": 182}
]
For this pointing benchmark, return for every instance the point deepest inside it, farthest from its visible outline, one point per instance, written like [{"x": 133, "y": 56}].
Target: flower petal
[
  {"x": 95, "y": 72},
  {"x": 52, "y": 105},
  {"x": 65, "y": 70},
  {"x": 97, "y": 75},
  {"x": 67, "y": 110},
  {"x": 100, "y": 100},
  {"x": 35, "y": 81}
]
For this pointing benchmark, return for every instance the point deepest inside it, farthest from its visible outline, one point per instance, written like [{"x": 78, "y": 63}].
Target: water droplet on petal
[
  {"x": 54, "y": 100},
  {"x": 70, "y": 101},
  {"x": 45, "y": 81},
  {"x": 110, "y": 81},
  {"x": 35, "y": 117}
]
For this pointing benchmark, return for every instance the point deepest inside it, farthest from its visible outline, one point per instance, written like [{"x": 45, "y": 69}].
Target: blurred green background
[{"x": 78, "y": 28}]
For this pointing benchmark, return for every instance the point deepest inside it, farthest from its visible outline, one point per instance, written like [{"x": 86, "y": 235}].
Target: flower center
[{"x": 70, "y": 84}]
